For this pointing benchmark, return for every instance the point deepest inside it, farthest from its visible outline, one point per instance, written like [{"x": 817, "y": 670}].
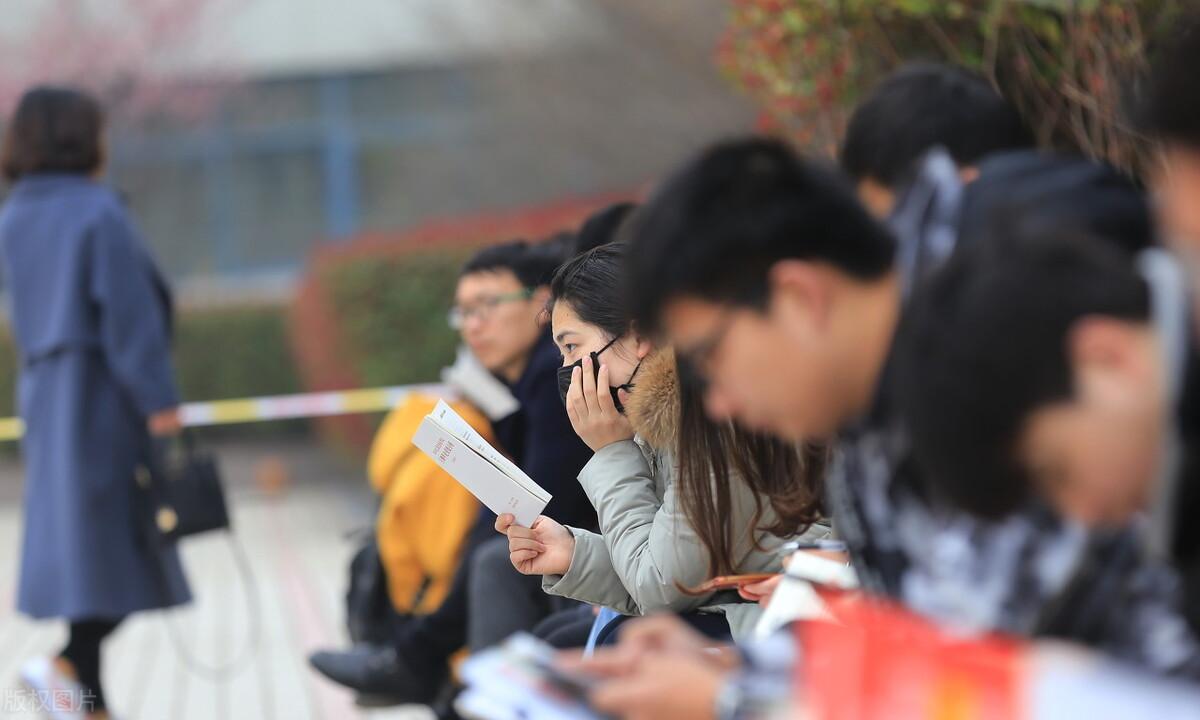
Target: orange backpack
[{"x": 425, "y": 515}]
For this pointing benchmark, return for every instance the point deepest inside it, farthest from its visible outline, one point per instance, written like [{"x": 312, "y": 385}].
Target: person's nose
[{"x": 472, "y": 324}]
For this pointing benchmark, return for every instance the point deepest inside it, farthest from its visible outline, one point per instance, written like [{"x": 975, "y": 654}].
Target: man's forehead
[
  {"x": 487, "y": 282},
  {"x": 689, "y": 314}
]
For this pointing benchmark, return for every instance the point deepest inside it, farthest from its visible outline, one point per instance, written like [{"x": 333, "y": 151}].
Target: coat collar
[{"x": 653, "y": 407}]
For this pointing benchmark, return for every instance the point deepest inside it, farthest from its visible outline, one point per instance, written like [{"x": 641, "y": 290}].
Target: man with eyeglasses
[
  {"x": 784, "y": 294},
  {"x": 498, "y": 304},
  {"x": 498, "y": 308}
]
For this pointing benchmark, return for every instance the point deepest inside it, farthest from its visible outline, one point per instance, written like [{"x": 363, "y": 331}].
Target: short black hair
[
  {"x": 1043, "y": 191},
  {"x": 593, "y": 284},
  {"x": 715, "y": 229},
  {"x": 54, "y": 130},
  {"x": 533, "y": 264},
  {"x": 1168, "y": 102},
  {"x": 923, "y": 105},
  {"x": 602, "y": 227},
  {"x": 984, "y": 344}
]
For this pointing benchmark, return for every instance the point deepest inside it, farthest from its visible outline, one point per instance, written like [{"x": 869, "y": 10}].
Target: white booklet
[{"x": 498, "y": 483}]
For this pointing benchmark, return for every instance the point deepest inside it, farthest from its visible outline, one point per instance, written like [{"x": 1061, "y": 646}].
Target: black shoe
[
  {"x": 375, "y": 701},
  {"x": 376, "y": 673}
]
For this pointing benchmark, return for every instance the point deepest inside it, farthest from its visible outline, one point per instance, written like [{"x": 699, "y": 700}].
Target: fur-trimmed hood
[{"x": 653, "y": 404}]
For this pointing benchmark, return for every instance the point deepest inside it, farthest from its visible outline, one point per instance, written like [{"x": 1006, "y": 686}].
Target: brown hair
[
  {"x": 54, "y": 130},
  {"x": 785, "y": 476}
]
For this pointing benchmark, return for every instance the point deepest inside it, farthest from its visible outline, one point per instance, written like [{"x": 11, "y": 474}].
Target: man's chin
[
  {"x": 499, "y": 366},
  {"x": 486, "y": 359}
]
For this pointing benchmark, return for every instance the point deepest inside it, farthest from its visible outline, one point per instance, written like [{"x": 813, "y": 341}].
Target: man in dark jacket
[
  {"x": 1051, "y": 368},
  {"x": 498, "y": 303},
  {"x": 1102, "y": 414},
  {"x": 1168, "y": 112}
]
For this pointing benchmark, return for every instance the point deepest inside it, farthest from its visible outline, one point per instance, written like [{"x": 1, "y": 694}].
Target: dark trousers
[
  {"x": 509, "y": 602},
  {"x": 567, "y": 629},
  {"x": 502, "y": 600},
  {"x": 83, "y": 652}
]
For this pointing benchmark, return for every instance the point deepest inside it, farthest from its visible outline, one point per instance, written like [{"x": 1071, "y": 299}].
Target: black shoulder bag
[
  {"x": 183, "y": 496},
  {"x": 184, "y": 490}
]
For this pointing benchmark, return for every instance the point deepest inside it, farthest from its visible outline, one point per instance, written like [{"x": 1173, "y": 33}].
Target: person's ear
[
  {"x": 643, "y": 345},
  {"x": 540, "y": 297},
  {"x": 1105, "y": 350},
  {"x": 802, "y": 292}
]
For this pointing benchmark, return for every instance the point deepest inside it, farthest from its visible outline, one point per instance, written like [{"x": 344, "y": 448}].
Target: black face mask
[{"x": 565, "y": 372}]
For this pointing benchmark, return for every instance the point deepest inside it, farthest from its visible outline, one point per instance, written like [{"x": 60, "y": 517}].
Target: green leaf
[{"x": 917, "y": 7}]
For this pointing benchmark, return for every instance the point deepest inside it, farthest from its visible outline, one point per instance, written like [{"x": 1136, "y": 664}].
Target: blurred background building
[{"x": 246, "y": 133}]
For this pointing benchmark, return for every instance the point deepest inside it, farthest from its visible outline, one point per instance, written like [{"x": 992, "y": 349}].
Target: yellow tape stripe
[
  {"x": 278, "y": 407},
  {"x": 232, "y": 411},
  {"x": 11, "y": 428},
  {"x": 366, "y": 400}
]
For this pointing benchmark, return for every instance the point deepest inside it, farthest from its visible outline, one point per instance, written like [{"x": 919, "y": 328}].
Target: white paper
[
  {"x": 500, "y": 493},
  {"x": 793, "y": 600},
  {"x": 796, "y": 598},
  {"x": 480, "y": 387},
  {"x": 455, "y": 425}
]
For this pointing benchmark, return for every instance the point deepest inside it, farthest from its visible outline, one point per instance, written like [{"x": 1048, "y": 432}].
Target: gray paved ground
[{"x": 296, "y": 542}]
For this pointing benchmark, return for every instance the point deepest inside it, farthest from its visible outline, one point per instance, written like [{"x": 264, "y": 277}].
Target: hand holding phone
[
  {"x": 732, "y": 582},
  {"x": 761, "y": 592}
]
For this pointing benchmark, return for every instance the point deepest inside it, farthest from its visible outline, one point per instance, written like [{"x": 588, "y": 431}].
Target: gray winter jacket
[{"x": 646, "y": 549}]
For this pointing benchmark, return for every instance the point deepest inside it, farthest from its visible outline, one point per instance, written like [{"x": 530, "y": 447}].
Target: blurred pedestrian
[{"x": 91, "y": 316}]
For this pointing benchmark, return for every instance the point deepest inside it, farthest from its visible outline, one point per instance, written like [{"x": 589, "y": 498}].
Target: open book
[{"x": 498, "y": 483}]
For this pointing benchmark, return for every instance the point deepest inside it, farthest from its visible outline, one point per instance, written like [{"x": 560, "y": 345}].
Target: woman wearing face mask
[{"x": 653, "y": 545}]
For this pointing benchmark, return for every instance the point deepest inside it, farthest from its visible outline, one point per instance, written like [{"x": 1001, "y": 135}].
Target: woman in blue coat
[{"x": 92, "y": 321}]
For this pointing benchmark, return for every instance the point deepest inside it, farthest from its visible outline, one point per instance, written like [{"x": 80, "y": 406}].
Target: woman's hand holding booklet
[{"x": 545, "y": 548}]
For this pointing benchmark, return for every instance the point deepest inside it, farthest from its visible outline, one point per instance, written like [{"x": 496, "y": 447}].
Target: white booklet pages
[{"x": 482, "y": 469}]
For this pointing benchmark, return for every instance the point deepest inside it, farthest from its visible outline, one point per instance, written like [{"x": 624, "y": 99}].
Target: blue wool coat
[{"x": 92, "y": 321}]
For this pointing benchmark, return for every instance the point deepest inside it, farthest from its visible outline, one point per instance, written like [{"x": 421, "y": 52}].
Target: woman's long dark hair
[
  {"x": 785, "y": 477},
  {"x": 711, "y": 457}
]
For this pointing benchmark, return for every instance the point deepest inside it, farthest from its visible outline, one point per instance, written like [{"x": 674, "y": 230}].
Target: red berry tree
[{"x": 1064, "y": 63}]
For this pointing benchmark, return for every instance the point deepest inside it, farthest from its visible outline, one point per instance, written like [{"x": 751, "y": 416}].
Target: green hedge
[
  {"x": 392, "y": 315},
  {"x": 225, "y": 353},
  {"x": 237, "y": 352}
]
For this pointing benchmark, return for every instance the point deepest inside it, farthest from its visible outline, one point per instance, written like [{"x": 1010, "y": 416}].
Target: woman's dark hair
[
  {"x": 711, "y": 456},
  {"x": 54, "y": 130},
  {"x": 592, "y": 284}
]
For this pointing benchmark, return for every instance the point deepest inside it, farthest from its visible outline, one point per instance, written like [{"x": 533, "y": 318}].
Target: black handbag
[{"x": 184, "y": 495}]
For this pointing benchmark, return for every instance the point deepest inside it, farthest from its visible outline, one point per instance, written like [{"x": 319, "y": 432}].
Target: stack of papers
[{"x": 482, "y": 469}]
